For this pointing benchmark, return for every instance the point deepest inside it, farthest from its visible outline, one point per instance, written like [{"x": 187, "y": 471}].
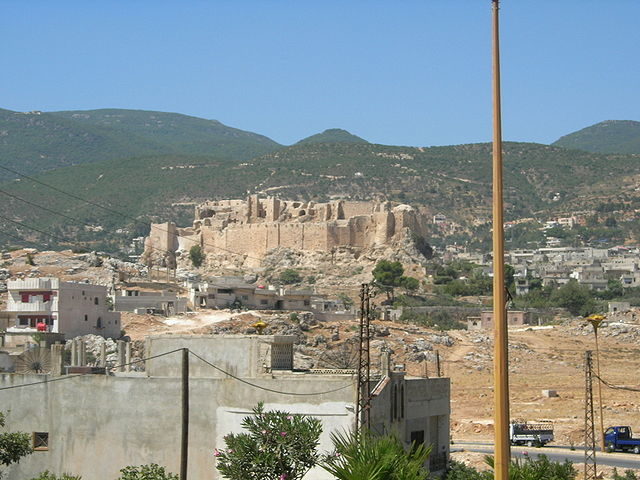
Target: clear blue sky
[{"x": 400, "y": 72}]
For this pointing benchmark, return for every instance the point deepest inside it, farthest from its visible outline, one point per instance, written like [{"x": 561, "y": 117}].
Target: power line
[
  {"x": 266, "y": 388},
  {"x": 67, "y": 377},
  {"x": 617, "y": 387},
  {"x": 123, "y": 215}
]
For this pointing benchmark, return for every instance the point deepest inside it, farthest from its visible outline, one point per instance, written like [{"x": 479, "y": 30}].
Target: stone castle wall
[{"x": 254, "y": 226}]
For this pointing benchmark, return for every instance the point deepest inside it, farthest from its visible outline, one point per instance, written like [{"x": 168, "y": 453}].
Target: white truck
[{"x": 531, "y": 434}]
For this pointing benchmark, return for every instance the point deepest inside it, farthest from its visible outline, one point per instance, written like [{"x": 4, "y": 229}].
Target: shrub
[
  {"x": 196, "y": 255},
  {"x": 290, "y": 276},
  {"x": 367, "y": 456},
  {"x": 277, "y": 446},
  {"x": 47, "y": 475},
  {"x": 146, "y": 472},
  {"x": 13, "y": 445}
]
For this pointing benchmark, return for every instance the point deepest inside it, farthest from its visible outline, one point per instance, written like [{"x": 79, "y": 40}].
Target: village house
[
  {"x": 229, "y": 292},
  {"x": 139, "y": 413},
  {"x": 515, "y": 318},
  {"x": 145, "y": 300},
  {"x": 48, "y": 305}
]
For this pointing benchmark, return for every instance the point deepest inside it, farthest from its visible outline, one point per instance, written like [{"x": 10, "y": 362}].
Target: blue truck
[{"x": 621, "y": 438}]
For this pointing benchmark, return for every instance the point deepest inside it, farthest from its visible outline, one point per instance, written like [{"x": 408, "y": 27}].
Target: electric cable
[
  {"x": 266, "y": 388},
  {"x": 67, "y": 377}
]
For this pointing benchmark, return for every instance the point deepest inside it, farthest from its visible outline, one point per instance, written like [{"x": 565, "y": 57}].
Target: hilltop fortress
[{"x": 254, "y": 226}]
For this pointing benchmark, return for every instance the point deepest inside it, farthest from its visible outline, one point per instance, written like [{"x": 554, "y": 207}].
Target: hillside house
[
  {"x": 46, "y": 304},
  {"x": 140, "y": 300},
  {"x": 227, "y": 292}
]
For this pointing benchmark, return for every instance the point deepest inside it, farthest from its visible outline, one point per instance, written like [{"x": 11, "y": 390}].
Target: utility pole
[
  {"x": 595, "y": 321},
  {"x": 184, "y": 443},
  {"x": 364, "y": 365},
  {"x": 590, "y": 464},
  {"x": 501, "y": 360}
]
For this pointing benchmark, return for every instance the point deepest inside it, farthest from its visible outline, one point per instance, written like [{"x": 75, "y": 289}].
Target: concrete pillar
[
  {"x": 82, "y": 352},
  {"x": 121, "y": 355},
  {"x": 74, "y": 349},
  {"x": 127, "y": 357},
  {"x": 385, "y": 362},
  {"x": 57, "y": 360},
  {"x": 103, "y": 354}
]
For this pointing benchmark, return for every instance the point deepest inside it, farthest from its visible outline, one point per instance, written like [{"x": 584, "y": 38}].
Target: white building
[{"x": 62, "y": 307}]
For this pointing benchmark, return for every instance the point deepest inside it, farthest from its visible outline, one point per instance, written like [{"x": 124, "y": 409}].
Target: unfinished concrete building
[
  {"x": 254, "y": 226},
  {"x": 134, "y": 418}
]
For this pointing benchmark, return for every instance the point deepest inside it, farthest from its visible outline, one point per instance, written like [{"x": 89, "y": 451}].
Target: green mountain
[
  {"x": 612, "y": 136},
  {"x": 454, "y": 180},
  {"x": 333, "y": 135},
  {"x": 38, "y": 141},
  {"x": 176, "y": 133}
]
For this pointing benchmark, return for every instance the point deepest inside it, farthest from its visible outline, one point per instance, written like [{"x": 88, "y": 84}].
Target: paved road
[{"x": 558, "y": 453}]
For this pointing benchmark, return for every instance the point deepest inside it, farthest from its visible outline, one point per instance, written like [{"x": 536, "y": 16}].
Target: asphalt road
[{"x": 558, "y": 453}]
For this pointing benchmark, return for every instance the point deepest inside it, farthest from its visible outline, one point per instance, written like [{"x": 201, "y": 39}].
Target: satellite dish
[{"x": 36, "y": 360}]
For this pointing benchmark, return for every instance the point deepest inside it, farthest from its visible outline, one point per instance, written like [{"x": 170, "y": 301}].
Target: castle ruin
[{"x": 254, "y": 226}]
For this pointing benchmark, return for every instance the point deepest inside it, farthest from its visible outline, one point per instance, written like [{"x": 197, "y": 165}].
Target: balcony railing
[
  {"x": 34, "y": 306},
  {"x": 34, "y": 284}
]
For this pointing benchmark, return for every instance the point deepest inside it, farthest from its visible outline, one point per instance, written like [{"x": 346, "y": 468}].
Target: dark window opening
[
  {"x": 417, "y": 438},
  {"x": 40, "y": 441}
]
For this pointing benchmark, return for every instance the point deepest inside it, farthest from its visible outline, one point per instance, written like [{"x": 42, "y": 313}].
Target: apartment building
[{"x": 48, "y": 305}]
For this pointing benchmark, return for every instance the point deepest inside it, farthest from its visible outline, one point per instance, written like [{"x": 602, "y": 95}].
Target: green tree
[
  {"x": 290, "y": 276},
  {"x": 277, "y": 446},
  {"x": 367, "y": 456},
  {"x": 13, "y": 445},
  {"x": 146, "y": 472},
  {"x": 196, "y": 255},
  {"x": 574, "y": 297},
  {"x": 389, "y": 275}
]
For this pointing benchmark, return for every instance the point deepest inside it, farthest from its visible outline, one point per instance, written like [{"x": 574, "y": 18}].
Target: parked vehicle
[
  {"x": 621, "y": 438},
  {"x": 531, "y": 434}
]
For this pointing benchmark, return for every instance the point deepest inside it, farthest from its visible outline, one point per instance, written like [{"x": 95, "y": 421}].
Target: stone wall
[{"x": 254, "y": 226}]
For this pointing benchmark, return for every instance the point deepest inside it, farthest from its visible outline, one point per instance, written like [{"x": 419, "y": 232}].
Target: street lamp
[{"x": 595, "y": 321}]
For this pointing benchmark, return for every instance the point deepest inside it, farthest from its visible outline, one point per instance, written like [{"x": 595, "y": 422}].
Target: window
[
  {"x": 86, "y": 317},
  {"x": 95, "y": 300},
  {"x": 263, "y": 302},
  {"x": 417, "y": 438},
  {"x": 245, "y": 297},
  {"x": 211, "y": 296},
  {"x": 99, "y": 323},
  {"x": 225, "y": 290},
  {"x": 306, "y": 303},
  {"x": 40, "y": 441},
  {"x": 23, "y": 321}
]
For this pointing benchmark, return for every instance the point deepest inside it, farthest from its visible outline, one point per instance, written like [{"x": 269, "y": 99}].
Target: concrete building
[
  {"x": 226, "y": 292},
  {"x": 94, "y": 425},
  {"x": 148, "y": 301},
  {"x": 515, "y": 318},
  {"x": 72, "y": 309}
]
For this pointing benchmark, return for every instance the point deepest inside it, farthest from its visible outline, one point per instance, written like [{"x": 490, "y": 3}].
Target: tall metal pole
[
  {"x": 590, "y": 464},
  {"x": 184, "y": 443},
  {"x": 501, "y": 359},
  {"x": 595, "y": 321},
  {"x": 363, "y": 395}
]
